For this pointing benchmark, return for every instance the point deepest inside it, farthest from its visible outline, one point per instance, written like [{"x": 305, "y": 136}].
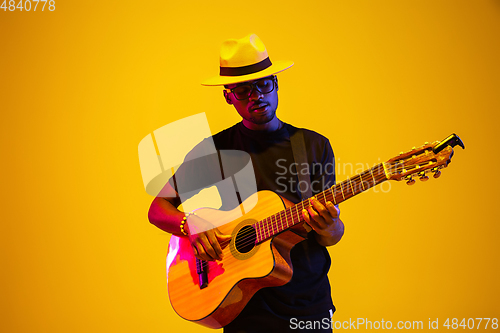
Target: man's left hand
[{"x": 324, "y": 221}]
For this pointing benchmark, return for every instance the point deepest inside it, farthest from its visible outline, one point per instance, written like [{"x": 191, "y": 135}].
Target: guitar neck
[{"x": 287, "y": 218}]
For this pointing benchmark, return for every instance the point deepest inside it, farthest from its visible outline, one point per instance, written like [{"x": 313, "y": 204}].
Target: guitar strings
[
  {"x": 246, "y": 240},
  {"x": 277, "y": 217},
  {"x": 287, "y": 213},
  {"x": 326, "y": 194},
  {"x": 252, "y": 235},
  {"x": 247, "y": 237},
  {"x": 271, "y": 223}
]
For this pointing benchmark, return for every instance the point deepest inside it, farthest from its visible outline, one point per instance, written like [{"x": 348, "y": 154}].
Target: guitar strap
[{"x": 300, "y": 156}]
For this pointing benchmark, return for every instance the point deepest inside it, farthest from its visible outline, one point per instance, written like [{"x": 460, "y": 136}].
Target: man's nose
[{"x": 256, "y": 94}]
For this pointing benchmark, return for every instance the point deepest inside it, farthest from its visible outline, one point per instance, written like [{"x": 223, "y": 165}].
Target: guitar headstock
[{"x": 419, "y": 161}]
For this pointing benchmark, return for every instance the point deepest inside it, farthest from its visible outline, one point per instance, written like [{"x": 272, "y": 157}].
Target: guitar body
[
  {"x": 233, "y": 280},
  {"x": 276, "y": 225}
]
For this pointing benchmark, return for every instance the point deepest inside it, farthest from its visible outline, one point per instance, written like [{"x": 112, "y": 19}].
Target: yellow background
[{"x": 82, "y": 85}]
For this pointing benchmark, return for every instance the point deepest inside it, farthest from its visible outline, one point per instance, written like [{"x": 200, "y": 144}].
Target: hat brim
[{"x": 276, "y": 67}]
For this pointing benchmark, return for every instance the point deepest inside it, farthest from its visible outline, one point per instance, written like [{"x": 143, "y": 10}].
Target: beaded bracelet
[{"x": 184, "y": 219}]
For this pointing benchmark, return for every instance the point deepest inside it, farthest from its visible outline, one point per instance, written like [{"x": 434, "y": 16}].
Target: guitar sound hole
[{"x": 245, "y": 239}]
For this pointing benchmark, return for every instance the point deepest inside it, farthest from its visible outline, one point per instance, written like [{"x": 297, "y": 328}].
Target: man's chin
[{"x": 262, "y": 118}]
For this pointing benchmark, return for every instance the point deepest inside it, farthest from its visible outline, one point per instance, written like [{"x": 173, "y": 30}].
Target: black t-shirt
[{"x": 307, "y": 296}]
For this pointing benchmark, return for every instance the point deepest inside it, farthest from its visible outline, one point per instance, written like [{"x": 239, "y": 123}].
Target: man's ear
[
  {"x": 226, "y": 96},
  {"x": 276, "y": 83}
]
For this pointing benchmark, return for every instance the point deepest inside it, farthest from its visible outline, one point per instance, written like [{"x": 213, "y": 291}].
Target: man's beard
[{"x": 262, "y": 119}]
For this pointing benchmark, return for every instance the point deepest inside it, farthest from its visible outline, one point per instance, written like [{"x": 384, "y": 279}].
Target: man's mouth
[{"x": 259, "y": 107}]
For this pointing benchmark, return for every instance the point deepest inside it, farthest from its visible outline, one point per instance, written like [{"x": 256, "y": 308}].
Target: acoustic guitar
[{"x": 213, "y": 293}]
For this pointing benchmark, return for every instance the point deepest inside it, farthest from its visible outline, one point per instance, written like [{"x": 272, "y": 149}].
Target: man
[{"x": 251, "y": 87}]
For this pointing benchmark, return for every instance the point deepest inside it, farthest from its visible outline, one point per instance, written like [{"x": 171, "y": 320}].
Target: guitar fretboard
[{"x": 338, "y": 193}]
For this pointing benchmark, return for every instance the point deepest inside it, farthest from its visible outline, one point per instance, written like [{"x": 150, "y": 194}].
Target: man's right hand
[{"x": 206, "y": 240}]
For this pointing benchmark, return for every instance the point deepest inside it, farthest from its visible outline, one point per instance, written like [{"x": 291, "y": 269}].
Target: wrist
[
  {"x": 332, "y": 235},
  {"x": 184, "y": 224}
]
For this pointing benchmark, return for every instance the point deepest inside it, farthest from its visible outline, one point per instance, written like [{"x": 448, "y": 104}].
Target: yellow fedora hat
[{"x": 245, "y": 59}]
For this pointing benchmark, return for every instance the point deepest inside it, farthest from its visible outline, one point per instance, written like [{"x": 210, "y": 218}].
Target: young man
[{"x": 252, "y": 88}]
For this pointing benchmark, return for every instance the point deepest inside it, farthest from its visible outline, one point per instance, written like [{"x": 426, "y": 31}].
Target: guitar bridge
[{"x": 202, "y": 271}]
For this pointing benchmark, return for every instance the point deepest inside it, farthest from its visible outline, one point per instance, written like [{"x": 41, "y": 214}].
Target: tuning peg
[
  {"x": 409, "y": 180},
  {"x": 422, "y": 176},
  {"x": 436, "y": 171}
]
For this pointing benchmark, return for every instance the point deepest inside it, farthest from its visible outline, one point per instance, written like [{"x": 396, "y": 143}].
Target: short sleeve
[
  {"x": 323, "y": 167},
  {"x": 199, "y": 170}
]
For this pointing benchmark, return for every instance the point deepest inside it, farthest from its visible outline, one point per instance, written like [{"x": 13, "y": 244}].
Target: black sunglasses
[{"x": 264, "y": 86}]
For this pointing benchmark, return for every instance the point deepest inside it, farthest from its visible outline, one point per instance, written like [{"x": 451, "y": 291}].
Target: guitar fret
[
  {"x": 280, "y": 224},
  {"x": 352, "y": 188},
  {"x": 280, "y": 217},
  {"x": 266, "y": 227},
  {"x": 284, "y": 217},
  {"x": 366, "y": 179},
  {"x": 371, "y": 172},
  {"x": 290, "y": 216},
  {"x": 334, "y": 201},
  {"x": 272, "y": 226},
  {"x": 256, "y": 227},
  {"x": 298, "y": 216},
  {"x": 336, "y": 192},
  {"x": 258, "y": 231},
  {"x": 362, "y": 181},
  {"x": 287, "y": 217},
  {"x": 359, "y": 185},
  {"x": 278, "y": 229},
  {"x": 346, "y": 185},
  {"x": 277, "y": 224},
  {"x": 286, "y": 220},
  {"x": 263, "y": 229}
]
